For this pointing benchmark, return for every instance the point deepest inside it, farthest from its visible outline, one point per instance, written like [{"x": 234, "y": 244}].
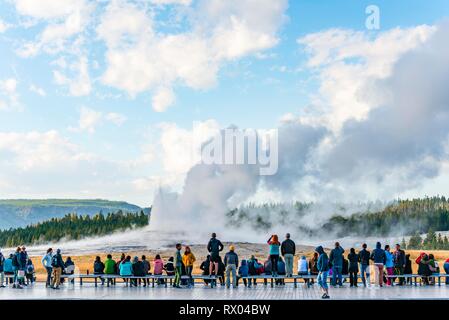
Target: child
[
  {"x": 303, "y": 269},
  {"x": 243, "y": 272},
  {"x": 29, "y": 272},
  {"x": 169, "y": 267}
]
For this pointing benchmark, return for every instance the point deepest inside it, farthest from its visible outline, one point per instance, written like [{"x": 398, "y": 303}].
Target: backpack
[
  {"x": 54, "y": 261},
  {"x": 30, "y": 269},
  {"x": 15, "y": 260}
]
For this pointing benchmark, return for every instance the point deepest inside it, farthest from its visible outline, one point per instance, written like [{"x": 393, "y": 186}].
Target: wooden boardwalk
[{"x": 199, "y": 292}]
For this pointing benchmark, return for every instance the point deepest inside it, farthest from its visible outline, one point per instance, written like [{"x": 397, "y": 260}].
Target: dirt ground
[{"x": 84, "y": 263}]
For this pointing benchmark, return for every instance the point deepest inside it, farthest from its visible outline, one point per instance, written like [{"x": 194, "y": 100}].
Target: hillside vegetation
[
  {"x": 23, "y": 212},
  {"x": 72, "y": 227}
]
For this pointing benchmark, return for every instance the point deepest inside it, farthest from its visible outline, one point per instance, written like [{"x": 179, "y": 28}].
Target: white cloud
[
  {"x": 347, "y": 61},
  {"x": 38, "y": 90},
  {"x": 3, "y": 26},
  {"x": 78, "y": 82},
  {"x": 162, "y": 99},
  {"x": 90, "y": 119},
  {"x": 140, "y": 59},
  {"x": 168, "y": 2},
  {"x": 116, "y": 118},
  {"x": 9, "y": 97}
]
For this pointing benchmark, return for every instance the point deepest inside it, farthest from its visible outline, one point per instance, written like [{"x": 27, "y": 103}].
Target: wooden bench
[{"x": 415, "y": 277}]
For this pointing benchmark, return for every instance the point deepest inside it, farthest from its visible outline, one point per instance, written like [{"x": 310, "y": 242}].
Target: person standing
[
  {"x": 58, "y": 265},
  {"x": 274, "y": 244},
  {"x": 16, "y": 267},
  {"x": 446, "y": 269},
  {"x": 389, "y": 264},
  {"x": 231, "y": 262},
  {"x": 353, "y": 269},
  {"x": 364, "y": 257},
  {"x": 288, "y": 250},
  {"x": 214, "y": 247},
  {"x": 188, "y": 259},
  {"x": 379, "y": 258},
  {"x": 323, "y": 271},
  {"x": 399, "y": 263},
  {"x": 46, "y": 262},
  {"x": 178, "y": 266},
  {"x": 2, "y": 271},
  {"x": 336, "y": 259}
]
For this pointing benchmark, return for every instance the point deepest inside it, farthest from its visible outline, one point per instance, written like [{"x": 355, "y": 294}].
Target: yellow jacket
[{"x": 188, "y": 259}]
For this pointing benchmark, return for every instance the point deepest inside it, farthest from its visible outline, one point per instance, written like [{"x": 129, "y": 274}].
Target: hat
[{"x": 232, "y": 248}]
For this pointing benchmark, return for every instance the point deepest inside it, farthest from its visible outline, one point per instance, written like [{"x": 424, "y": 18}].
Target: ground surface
[{"x": 199, "y": 292}]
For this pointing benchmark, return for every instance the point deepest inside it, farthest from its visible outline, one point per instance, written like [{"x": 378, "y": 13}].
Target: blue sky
[{"x": 253, "y": 85}]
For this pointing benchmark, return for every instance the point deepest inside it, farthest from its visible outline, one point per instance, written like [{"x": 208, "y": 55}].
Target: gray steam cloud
[{"x": 401, "y": 143}]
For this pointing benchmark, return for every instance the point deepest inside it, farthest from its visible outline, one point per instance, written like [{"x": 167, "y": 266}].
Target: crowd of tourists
[{"x": 388, "y": 264}]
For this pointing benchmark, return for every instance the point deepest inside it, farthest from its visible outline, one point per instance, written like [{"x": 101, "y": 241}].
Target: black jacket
[
  {"x": 138, "y": 269},
  {"x": 364, "y": 257},
  {"x": 399, "y": 258},
  {"x": 353, "y": 262},
  {"x": 214, "y": 246},
  {"x": 288, "y": 247},
  {"x": 98, "y": 267}
]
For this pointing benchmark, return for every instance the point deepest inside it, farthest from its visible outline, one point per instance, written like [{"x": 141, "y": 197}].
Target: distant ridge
[{"x": 22, "y": 212}]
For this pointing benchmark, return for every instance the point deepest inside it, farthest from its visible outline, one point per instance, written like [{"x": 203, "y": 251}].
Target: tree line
[{"x": 72, "y": 227}]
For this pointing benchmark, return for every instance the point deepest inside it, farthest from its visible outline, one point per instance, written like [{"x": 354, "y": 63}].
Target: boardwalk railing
[{"x": 414, "y": 279}]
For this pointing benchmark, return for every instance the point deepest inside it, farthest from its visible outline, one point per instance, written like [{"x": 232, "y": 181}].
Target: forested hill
[
  {"x": 400, "y": 217},
  {"x": 73, "y": 227},
  {"x": 20, "y": 213}
]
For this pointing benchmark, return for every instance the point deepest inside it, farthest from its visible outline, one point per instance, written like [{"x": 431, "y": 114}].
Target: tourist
[
  {"x": 221, "y": 271},
  {"x": 58, "y": 265},
  {"x": 303, "y": 269},
  {"x": 9, "y": 269},
  {"x": 353, "y": 268},
  {"x": 205, "y": 265},
  {"x": 389, "y": 264},
  {"x": 188, "y": 259},
  {"x": 178, "y": 265},
  {"x": 336, "y": 259},
  {"x": 23, "y": 258},
  {"x": 446, "y": 269},
  {"x": 423, "y": 267},
  {"x": 244, "y": 273},
  {"x": 281, "y": 271},
  {"x": 313, "y": 270},
  {"x": 109, "y": 269},
  {"x": 169, "y": 267},
  {"x": 253, "y": 268},
  {"x": 30, "y": 271},
  {"x": 345, "y": 269},
  {"x": 408, "y": 268},
  {"x": 399, "y": 263},
  {"x": 323, "y": 270},
  {"x": 16, "y": 268},
  {"x": 364, "y": 257},
  {"x": 268, "y": 267},
  {"x": 126, "y": 269},
  {"x": 2, "y": 271},
  {"x": 379, "y": 258},
  {"x": 69, "y": 269},
  {"x": 158, "y": 268},
  {"x": 138, "y": 271},
  {"x": 99, "y": 268},
  {"x": 288, "y": 250},
  {"x": 231, "y": 262},
  {"x": 46, "y": 262},
  {"x": 146, "y": 270},
  {"x": 433, "y": 266},
  {"x": 274, "y": 244},
  {"x": 214, "y": 247}
]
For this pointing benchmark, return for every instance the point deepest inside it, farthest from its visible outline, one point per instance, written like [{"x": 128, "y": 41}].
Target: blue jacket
[
  {"x": 378, "y": 254},
  {"x": 336, "y": 256},
  {"x": 243, "y": 269},
  {"x": 7, "y": 267},
  {"x": 323, "y": 260},
  {"x": 389, "y": 261},
  {"x": 281, "y": 267},
  {"x": 126, "y": 268}
]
